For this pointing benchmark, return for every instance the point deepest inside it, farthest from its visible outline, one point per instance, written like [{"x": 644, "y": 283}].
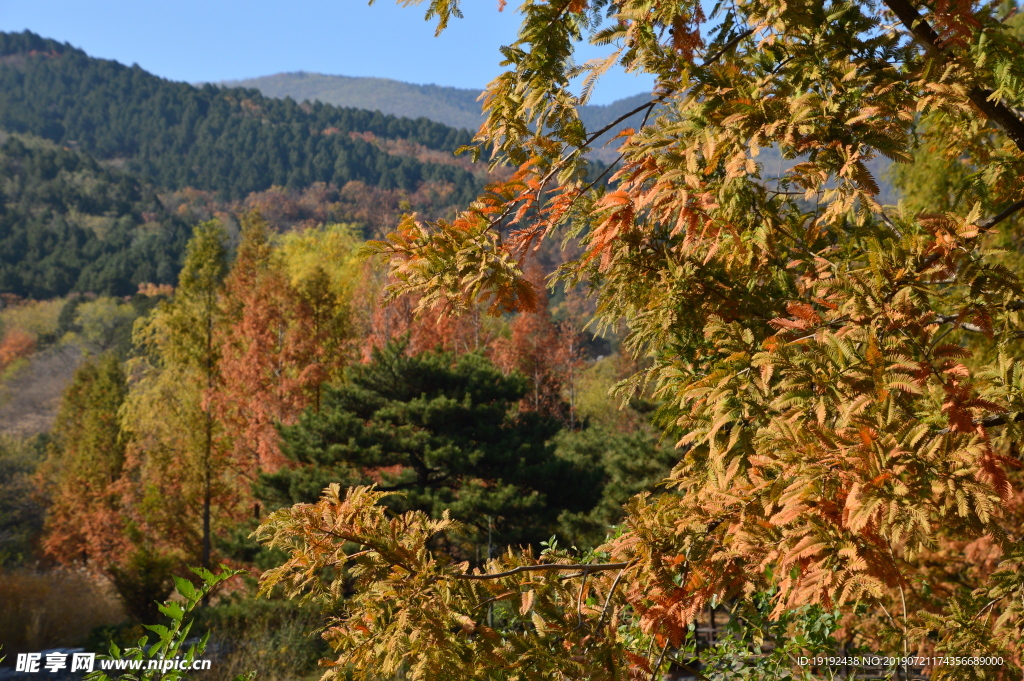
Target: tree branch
[
  {"x": 997, "y": 112},
  {"x": 585, "y": 569},
  {"x": 973, "y": 328},
  {"x": 728, "y": 46},
  {"x": 990, "y": 422},
  {"x": 996, "y": 219},
  {"x": 649, "y": 105},
  {"x": 1000, "y": 420}
]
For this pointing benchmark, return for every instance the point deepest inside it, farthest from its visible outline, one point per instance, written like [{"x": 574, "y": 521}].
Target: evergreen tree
[{"x": 444, "y": 431}]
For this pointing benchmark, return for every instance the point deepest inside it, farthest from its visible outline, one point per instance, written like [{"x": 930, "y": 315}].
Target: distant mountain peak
[{"x": 454, "y": 106}]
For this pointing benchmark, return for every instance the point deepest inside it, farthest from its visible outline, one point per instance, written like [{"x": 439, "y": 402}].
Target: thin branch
[
  {"x": 496, "y": 598},
  {"x": 997, "y": 112},
  {"x": 728, "y": 46},
  {"x": 661, "y": 659},
  {"x": 1001, "y": 420},
  {"x": 973, "y": 328},
  {"x": 585, "y": 569},
  {"x": 996, "y": 219},
  {"x": 687, "y": 668},
  {"x": 990, "y": 422},
  {"x": 608, "y": 600},
  {"x": 649, "y": 105},
  {"x": 579, "y": 600}
]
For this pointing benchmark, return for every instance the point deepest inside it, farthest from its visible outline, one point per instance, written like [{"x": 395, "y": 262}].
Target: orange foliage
[
  {"x": 279, "y": 347},
  {"x": 15, "y": 345},
  {"x": 427, "y": 330}
]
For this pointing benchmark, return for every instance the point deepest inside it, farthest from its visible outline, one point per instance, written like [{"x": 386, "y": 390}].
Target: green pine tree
[{"x": 445, "y": 432}]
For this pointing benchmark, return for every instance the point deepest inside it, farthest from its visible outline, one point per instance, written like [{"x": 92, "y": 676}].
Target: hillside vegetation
[
  {"x": 461, "y": 107},
  {"x": 233, "y": 141},
  {"x": 68, "y": 223}
]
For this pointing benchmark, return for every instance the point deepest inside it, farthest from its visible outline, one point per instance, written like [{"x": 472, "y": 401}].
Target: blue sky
[{"x": 214, "y": 40}]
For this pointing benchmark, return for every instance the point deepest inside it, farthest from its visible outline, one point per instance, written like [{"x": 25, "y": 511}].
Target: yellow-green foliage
[
  {"x": 103, "y": 320},
  {"x": 331, "y": 248},
  {"x": 37, "y": 318},
  {"x": 416, "y": 612}
]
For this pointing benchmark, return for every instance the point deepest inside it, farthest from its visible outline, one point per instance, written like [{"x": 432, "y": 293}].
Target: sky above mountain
[{"x": 216, "y": 40}]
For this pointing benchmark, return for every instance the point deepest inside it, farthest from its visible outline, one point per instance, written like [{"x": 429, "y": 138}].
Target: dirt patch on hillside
[{"x": 30, "y": 398}]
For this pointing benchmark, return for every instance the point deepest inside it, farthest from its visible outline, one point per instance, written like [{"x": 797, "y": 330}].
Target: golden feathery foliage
[{"x": 841, "y": 377}]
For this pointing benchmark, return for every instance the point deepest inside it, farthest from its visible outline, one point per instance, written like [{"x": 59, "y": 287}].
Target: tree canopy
[
  {"x": 67, "y": 223},
  {"x": 444, "y": 432},
  {"x": 840, "y": 377}
]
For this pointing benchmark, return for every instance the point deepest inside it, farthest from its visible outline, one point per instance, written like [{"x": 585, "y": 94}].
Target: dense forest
[
  {"x": 233, "y": 141},
  {"x": 68, "y": 223},
  {"x": 104, "y": 167}
]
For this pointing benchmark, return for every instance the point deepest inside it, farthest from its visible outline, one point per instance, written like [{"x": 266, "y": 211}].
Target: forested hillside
[
  {"x": 460, "y": 107},
  {"x": 232, "y": 141},
  {"x": 68, "y": 223}
]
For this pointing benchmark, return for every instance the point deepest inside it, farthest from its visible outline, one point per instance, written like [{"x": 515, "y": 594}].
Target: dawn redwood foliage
[
  {"x": 841, "y": 378},
  {"x": 85, "y": 523},
  {"x": 548, "y": 353},
  {"x": 285, "y": 335},
  {"x": 260, "y": 385},
  {"x": 179, "y": 475}
]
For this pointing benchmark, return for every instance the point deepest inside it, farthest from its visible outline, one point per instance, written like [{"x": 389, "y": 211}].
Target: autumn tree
[
  {"x": 548, "y": 353},
  {"x": 15, "y": 345},
  {"x": 85, "y": 522},
  {"x": 324, "y": 271},
  {"x": 840, "y": 376},
  {"x": 256, "y": 347},
  {"x": 285, "y": 332},
  {"x": 178, "y": 474},
  {"x": 88, "y": 521}
]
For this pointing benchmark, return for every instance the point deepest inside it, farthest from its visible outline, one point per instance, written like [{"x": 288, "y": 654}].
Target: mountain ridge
[{"x": 454, "y": 106}]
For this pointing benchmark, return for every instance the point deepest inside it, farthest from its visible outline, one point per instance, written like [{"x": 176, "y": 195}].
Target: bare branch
[
  {"x": 1000, "y": 420},
  {"x": 973, "y": 328},
  {"x": 729, "y": 45},
  {"x": 990, "y": 422},
  {"x": 608, "y": 600},
  {"x": 649, "y": 105}
]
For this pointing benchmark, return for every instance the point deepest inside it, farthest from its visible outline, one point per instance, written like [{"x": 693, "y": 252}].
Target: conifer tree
[
  {"x": 177, "y": 459},
  {"x": 86, "y": 523},
  {"x": 444, "y": 431},
  {"x": 286, "y": 323}
]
